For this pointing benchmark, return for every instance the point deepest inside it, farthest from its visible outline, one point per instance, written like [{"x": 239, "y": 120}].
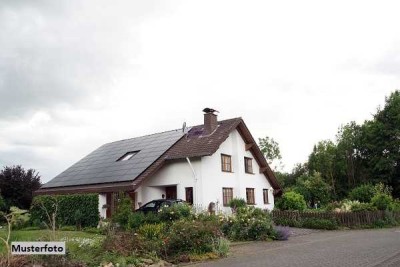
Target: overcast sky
[{"x": 77, "y": 74}]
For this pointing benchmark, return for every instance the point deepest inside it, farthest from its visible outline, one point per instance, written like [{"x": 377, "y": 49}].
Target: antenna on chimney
[{"x": 210, "y": 110}]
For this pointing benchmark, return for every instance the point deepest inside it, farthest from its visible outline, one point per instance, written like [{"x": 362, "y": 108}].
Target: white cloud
[{"x": 78, "y": 74}]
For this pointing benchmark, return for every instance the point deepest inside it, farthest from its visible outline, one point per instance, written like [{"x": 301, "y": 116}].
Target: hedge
[{"x": 73, "y": 210}]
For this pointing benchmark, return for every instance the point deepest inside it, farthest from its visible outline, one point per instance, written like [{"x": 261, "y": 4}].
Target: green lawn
[{"x": 73, "y": 238}]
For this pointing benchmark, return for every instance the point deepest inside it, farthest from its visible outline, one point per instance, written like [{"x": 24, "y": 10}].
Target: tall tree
[
  {"x": 270, "y": 148},
  {"x": 323, "y": 161},
  {"x": 17, "y": 186},
  {"x": 349, "y": 156},
  {"x": 381, "y": 144}
]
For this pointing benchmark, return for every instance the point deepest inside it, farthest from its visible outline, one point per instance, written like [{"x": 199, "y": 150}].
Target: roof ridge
[
  {"x": 175, "y": 130},
  {"x": 178, "y": 129}
]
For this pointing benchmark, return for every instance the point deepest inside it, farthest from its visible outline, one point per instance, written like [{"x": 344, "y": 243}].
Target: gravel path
[{"x": 367, "y": 248}]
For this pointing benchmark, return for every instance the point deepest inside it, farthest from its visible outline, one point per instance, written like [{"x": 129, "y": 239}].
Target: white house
[{"x": 209, "y": 163}]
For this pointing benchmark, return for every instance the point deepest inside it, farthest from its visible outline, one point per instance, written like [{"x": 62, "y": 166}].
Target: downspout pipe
[{"x": 195, "y": 180}]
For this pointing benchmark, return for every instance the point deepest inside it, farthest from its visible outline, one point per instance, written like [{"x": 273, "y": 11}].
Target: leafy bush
[
  {"x": 316, "y": 223},
  {"x": 2, "y": 204},
  {"x": 382, "y": 201},
  {"x": 124, "y": 210},
  {"x": 363, "y": 193},
  {"x": 237, "y": 203},
  {"x": 287, "y": 222},
  {"x": 363, "y": 207},
  {"x": 152, "y": 237},
  {"x": 68, "y": 205},
  {"x": 175, "y": 212},
  {"x": 152, "y": 231},
  {"x": 222, "y": 247},
  {"x": 291, "y": 201},
  {"x": 185, "y": 237},
  {"x": 281, "y": 233},
  {"x": 249, "y": 223},
  {"x": 347, "y": 205}
]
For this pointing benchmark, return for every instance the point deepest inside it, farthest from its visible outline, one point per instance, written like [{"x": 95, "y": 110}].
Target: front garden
[{"x": 174, "y": 234}]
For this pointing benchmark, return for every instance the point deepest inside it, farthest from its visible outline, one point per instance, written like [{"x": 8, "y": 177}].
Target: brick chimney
[{"x": 210, "y": 120}]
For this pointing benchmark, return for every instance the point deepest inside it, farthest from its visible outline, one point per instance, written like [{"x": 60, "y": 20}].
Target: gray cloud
[{"x": 55, "y": 53}]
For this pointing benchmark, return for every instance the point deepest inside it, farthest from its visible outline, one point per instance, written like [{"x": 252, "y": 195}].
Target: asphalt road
[{"x": 367, "y": 248}]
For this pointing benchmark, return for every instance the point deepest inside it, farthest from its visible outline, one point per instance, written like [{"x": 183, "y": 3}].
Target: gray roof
[{"x": 102, "y": 165}]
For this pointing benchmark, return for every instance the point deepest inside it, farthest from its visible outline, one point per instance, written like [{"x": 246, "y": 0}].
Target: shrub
[
  {"x": 363, "y": 207},
  {"x": 2, "y": 204},
  {"x": 152, "y": 231},
  {"x": 316, "y": 223},
  {"x": 152, "y": 237},
  {"x": 291, "y": 201},
  {"x": 185, "y": 237},
  {"x": 175, "y": 212},
  {"x": 135, "y": 220},
  {"x": 249, "y": 223},
  {"x": 382, "y": 201},
  {"x": 222, "y": 247},
  {"x": 363, "y": 193},
  {"x": 121, "y": 216},
  {"x": 281, "y": 233},
  {"x": 87, "y": 204},
  {"x": 237, "y": 203},
  {"x": 287, "y": 222},
  {"x": 347, "y": 205}
]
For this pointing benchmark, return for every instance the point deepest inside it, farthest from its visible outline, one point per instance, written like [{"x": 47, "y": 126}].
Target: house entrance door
[{"x": 170, "y": 192}]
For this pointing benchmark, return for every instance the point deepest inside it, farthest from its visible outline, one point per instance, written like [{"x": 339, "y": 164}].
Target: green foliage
[
  {"x": 311, "y": 223},
  {"x": 291, "y": 201},
  {"x": 362, "y": 193},
  {"x": 249, "y": 223},
  {"x": 222, "y": 247},
  {"x": 382, "y": 201},
  {"x": 68, "y": 205},
  {"x": 175, "y": 212},
  {"x": 192, "y": 237},
  {"x": 363, "y": 207},
  {"x": 17, "y": 186},
  {"x": 270, "y": 148},
  {"x": 2, "y": 204},
  {"x": 317, "y": 223},
  {"x": 121, "y": 216},
  {"x": 314, "y": 189},
  {"x": 237, "y": 203},
  {"x": 287, "y": 222},
  {"x": 323, "y": 161},
  {"x": 152, "y": 231}
]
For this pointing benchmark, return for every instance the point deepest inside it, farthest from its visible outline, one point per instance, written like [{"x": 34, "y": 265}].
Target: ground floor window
[
  {"x": 227, "y": 195},
  {"x": 189, "y": 195},
  {"x": 250, "y": 196}
]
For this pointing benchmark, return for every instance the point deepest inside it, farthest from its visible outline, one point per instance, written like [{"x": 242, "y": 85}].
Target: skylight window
[{"x": 128, "y": 156}]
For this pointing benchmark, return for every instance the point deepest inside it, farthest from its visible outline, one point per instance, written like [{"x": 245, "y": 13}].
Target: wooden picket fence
[{"x": 349, "y": 219}]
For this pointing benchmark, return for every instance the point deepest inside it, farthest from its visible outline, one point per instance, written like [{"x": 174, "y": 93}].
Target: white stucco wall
[
  {"x": 210, "y": 178},
  {"x": 214, "y": 179},
  {"x": 176, "y": 172}
]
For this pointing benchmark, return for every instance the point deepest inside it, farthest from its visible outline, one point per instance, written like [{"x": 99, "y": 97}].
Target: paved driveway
[{"x": 365, "y": 248}]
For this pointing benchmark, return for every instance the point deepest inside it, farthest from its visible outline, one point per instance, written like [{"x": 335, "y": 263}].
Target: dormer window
[{"x": 128, "y": 156}]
